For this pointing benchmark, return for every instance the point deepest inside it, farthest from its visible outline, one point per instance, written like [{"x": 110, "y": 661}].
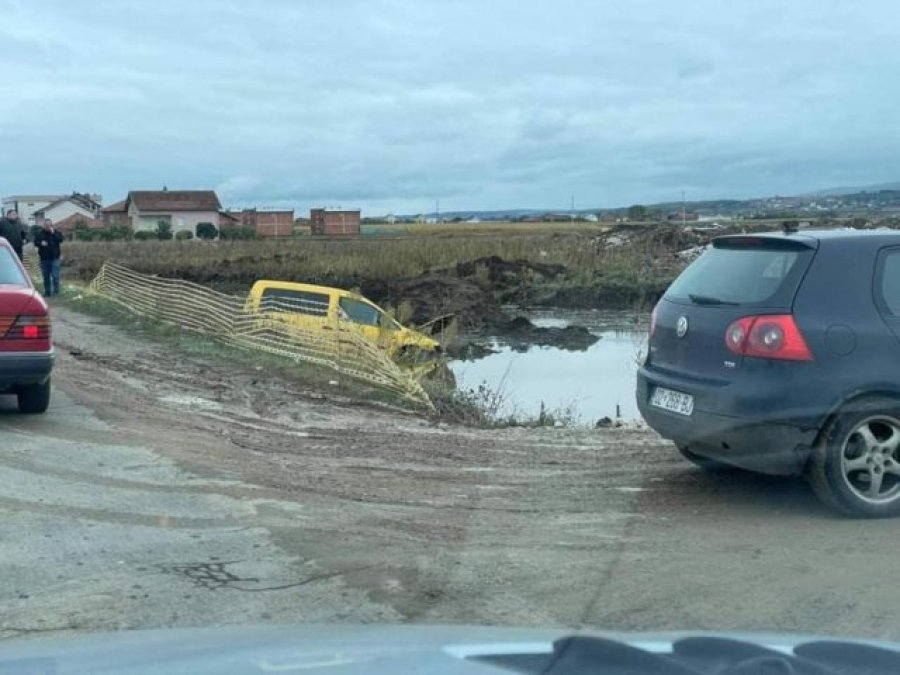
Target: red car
[{"x": 26, "y": 353}]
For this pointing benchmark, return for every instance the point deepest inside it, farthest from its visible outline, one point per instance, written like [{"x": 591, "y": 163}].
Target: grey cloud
[
  {"x": 391, "y": 104},
  {"x": 690, "y": 71}
]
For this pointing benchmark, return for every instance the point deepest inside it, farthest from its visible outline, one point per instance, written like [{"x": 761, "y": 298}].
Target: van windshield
[{"x": 742, "y": 275}]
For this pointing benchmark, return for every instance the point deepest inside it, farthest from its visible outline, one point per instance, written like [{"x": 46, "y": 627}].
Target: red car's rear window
[{"x": 10, "y": 271}]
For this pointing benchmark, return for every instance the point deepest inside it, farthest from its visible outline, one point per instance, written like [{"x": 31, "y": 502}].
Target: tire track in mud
[{"x": 443, "y": 523}]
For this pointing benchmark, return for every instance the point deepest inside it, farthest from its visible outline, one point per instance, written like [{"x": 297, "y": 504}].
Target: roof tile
[{"x": 175, "y": 200}]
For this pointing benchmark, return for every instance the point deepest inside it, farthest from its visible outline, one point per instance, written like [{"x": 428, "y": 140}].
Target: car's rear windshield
[
  {"x": 10, "y": 272},
  {"x": 294, "y": 302},
  {"x": 751, "y": 273}
]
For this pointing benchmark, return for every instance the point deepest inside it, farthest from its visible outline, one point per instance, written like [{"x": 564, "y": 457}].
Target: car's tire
[
  {"x": 34, "y": 399},
  {"x": 704, "y": 463},
  {"x": 854, "y": 467}
]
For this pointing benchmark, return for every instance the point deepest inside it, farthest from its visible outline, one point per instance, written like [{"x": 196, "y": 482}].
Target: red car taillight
[
  {"x": 28, "y": 328},
  {"x": 770, "y": 336}
]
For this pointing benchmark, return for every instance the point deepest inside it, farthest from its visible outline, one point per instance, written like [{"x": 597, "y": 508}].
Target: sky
[{"x": 394, "y": 105}]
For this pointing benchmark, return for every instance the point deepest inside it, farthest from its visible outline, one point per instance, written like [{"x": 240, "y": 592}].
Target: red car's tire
[{"x": 34, "y": 398}]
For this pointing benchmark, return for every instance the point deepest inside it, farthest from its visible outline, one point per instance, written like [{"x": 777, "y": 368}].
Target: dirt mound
[
  {"x": 502, "y": 273},
  {"x": 437, "y": 293},
  {"x": 677, "y": 238},
  {"x": 659, "y": 237},
  {"x": 469, "y": 290},
  {"x": 521, "y": 333}
]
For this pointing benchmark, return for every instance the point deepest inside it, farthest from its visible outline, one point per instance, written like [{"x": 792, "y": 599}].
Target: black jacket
[
  {"x": 50, "y": 251},
  {"x": 12, "y": 231}
]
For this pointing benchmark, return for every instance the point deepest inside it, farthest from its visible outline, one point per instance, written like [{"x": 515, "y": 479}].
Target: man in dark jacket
[
  {"x": 13, "y": 231},
  {"x": 48, "y": 242}
]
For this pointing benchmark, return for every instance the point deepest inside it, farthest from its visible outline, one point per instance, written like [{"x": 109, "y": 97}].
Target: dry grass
[
  {"x": 310, "y": 258},
  {"x": 622, "y": 276}
]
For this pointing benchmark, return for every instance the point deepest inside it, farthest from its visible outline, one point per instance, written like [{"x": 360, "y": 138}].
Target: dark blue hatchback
[{"x": 780, "y": 353}]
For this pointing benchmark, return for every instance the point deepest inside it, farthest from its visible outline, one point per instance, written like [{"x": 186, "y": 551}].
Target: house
[
  {"x": 183, "y": 210},
  {"x": 84, "y": 206},
  {"x": 115, "y": 214},
  {"x": 68, "y": 224},
  {"x": 27, "y": 205},
  {"x": 335, "y": 222},
  {"x": 268, "y": 223},
  {"x": 228, "y": 219}
]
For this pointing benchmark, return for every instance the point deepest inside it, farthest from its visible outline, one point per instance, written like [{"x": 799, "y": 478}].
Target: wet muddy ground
[{"x": 169, "y": 490}]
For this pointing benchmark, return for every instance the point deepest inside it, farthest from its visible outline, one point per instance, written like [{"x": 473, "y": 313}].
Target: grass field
[
  {"x": 624, "y": 275},
  {"x": 375, "y": 258}
]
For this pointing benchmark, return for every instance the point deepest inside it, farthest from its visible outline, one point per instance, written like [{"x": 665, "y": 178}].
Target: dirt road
[{"x": 167, "y": 490}]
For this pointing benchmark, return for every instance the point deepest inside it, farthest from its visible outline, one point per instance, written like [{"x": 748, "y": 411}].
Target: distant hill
[
  {"x": 502, "y": 214},
  {"x": 837, "y": 200},
  {"x": 838, "y": 191}
]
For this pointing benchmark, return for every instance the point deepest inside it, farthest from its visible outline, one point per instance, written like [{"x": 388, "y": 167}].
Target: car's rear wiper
[{"x": 709, "y": 300}]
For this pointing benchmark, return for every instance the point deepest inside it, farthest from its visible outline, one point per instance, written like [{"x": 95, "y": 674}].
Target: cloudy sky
[{"x": 389, "y": 105}]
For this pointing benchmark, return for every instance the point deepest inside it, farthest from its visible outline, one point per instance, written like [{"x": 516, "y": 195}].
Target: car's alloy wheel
[
  {"x": 869, "y": 459},
  {"x": 855, "y": 466}
]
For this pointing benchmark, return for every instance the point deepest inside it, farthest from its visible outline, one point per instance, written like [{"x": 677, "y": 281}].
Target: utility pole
[
  {"x": 683, "y": 215},
  {"x": 572, "y": 211},
  {"x": 437, "y": 210}
]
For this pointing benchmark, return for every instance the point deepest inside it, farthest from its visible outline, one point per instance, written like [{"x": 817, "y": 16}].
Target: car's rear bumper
[
  {"x": 763, "y": 442},
  {"x": 22, "y": 368}
]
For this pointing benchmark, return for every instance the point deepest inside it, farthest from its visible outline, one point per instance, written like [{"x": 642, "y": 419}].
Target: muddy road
[{"x": 167, "y": 490}]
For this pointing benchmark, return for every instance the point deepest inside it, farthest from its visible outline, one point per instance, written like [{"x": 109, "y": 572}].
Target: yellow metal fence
[{"x": 228, "y": 319}]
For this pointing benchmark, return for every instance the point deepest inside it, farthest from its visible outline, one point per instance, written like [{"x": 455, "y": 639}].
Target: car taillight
[
  {"x": 770, "y": 336},
  {"x": 29, "y": 328},
  {"x": 653, "y": 320}
]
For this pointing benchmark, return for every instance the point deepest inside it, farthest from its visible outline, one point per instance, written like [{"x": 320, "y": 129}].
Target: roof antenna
[{"x": 790, "y": 226}]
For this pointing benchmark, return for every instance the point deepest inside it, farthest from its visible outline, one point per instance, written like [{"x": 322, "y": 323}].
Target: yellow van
[{"x": 312, "y": 307}]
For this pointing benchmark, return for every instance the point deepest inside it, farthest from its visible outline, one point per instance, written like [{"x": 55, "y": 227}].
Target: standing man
[
  {"x": 47, "y": 242},
  {"x": 13, "y": 231}
]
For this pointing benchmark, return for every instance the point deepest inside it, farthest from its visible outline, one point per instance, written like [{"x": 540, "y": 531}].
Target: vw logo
[{"x": 681, "y": 327}]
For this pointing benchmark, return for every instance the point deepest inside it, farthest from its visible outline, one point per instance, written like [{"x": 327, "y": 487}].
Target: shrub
[
  {"x": 145, "y": 235},
  {"x": 163, "y": 230},
  {"x": 184, "y": 235},
  {"x": 119, "y": 233},
  {"x": 85, "y": 235},
  {"x": 238, "y": 232},
  {"x": 114, "y": 233},
  {"x": 207, "y": 231}
]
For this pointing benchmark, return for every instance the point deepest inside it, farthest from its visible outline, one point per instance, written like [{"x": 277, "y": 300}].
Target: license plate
[{"x": 673, "y": 401}]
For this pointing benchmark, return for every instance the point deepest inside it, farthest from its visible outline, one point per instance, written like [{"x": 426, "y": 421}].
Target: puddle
[
  {"x": 588, "y": 385},
  {"x": 190, "y": 401}
]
